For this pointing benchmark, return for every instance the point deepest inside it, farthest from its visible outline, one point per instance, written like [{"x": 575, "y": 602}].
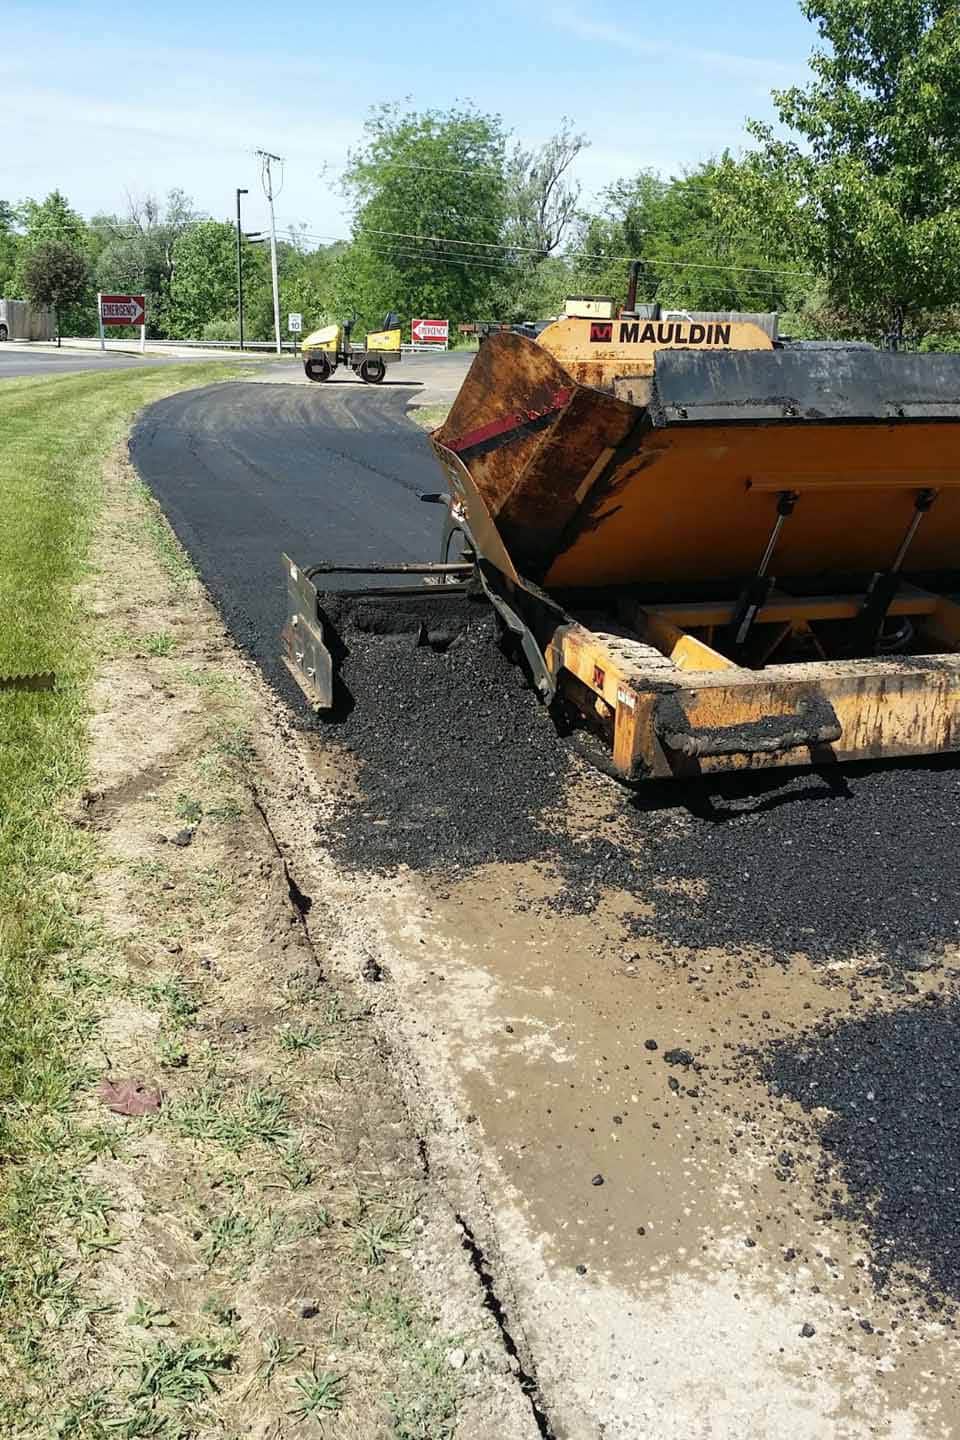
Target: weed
[
  {"x": 149, "y": 1317},
  {"x": 151, "y": 871},
  {"x": 376, "y": 1238},
  {"x": 171, "y": 1052},
  {"x": 215, "y": 683},
  {"x": 304, "y": 1037},
  {"x": 226, "y": 811},
  {"x": 180, "y": 1373},
  {"x": 82, "y": 1418},
  {"x": 277, "y": 1352},
  {"x": 171, "y": 555},
  {"x": 295, "y": 1167},
  {"x": 426, "y": 1407},
  {"x": 429, "y": 417},
  {"x": 255, "y": 1115},
  {"x": 189, "y": 809},
  {"x": 310, "y": 1225},
  {"x": 219, "y": 1311},
  {"x": 159, "y": 643},
  {"x": 175, "y": 994},
  {"x": 230, "y": 1232},
  {"x": 320, "y": 1390},
  {"x": 237, "y": 745},
  {"x": 146, "y": 1424}
]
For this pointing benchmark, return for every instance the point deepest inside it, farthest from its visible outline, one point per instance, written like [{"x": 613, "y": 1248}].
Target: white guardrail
[{"x": 417, "y": 347}]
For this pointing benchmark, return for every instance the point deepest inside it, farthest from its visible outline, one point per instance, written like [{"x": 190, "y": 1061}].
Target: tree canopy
[
  {"x": 55, "y": 274},
  {"x": 429, "y": 196},
  {"x": 865, "y": 191}
]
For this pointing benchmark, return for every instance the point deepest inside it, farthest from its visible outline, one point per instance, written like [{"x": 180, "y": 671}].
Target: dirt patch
[{"x": 267, "y": 1254}]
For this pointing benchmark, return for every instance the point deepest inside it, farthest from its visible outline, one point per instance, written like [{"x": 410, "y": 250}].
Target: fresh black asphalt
[{"x": 247, "y": 471}]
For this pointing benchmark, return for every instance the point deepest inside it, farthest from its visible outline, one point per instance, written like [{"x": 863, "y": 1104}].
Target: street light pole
[{"x": 240, "y": 267}]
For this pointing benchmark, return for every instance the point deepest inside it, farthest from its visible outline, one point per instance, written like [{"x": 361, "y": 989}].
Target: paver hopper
[{"x": 721, "y": 551}]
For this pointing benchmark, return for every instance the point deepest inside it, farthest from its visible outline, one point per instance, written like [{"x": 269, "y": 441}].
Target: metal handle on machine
[
  {"x": 866, "y": 630},
  {"x": 815, "y": 723},
  {"x": 757, "y": 592}
]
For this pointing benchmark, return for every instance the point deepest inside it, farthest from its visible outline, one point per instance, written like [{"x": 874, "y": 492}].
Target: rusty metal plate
[{"x": 303, "y": 649}]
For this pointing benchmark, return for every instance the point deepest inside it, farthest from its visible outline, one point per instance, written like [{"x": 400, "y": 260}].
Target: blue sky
[{"x": 101, "y": 98}]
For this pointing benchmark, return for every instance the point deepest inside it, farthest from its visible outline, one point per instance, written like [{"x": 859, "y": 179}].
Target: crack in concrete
[{"x": 525, "y": 1373}]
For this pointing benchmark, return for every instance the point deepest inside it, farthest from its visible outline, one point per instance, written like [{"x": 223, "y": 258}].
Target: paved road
[
  {"x": 14, "y": 362},
  {"x": 246, "y": 471},
  {"x": 442, "y": 372}
]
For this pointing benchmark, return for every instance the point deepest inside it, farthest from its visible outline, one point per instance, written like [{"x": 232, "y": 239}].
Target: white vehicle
[{"x": 21, "y": 321}]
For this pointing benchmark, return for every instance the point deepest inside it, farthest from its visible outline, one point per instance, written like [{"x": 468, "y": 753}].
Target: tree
[
  {"x": 8, "y": 248},
  {"x": 136, "y": 250},
  {"x": 623, "y": 228},
  {"x": 309, "y": 283},
  {"x": 541, "y": 206},
  {"x": 204, "y": 281},
  {"x": 52, "y": 221},
  {"x": 55, "y": 274},
  {"x": 541, "y": 200},
  {"x": 697, "y": 253},
  {"x": 429, "y": 199},
  {"x": 203, "y": 286},
  {"x": 867, "y": 191}
]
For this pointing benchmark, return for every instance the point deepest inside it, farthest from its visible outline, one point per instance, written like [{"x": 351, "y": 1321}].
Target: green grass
[
  {"x": 56, "y": 434},
  {"x": 254, "y": 1115},
  {"x": 425, "y": 1407}
]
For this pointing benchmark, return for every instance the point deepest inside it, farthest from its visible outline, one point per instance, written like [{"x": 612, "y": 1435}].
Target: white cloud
[{"x": 762, "y": 72}]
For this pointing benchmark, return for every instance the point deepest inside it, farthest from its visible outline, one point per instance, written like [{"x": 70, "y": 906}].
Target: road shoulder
[{"x": 239, "y": 1232}]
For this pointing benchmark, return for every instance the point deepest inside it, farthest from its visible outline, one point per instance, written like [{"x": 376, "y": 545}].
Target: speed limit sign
[{"x": 294, "y": 323}]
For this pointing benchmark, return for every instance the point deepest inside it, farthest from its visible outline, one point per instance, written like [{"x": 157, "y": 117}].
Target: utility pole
[
  {"x": 266, "y": 159},
  {"x": 240, "y": 267}
]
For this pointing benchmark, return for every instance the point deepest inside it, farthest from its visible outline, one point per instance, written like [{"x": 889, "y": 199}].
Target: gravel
[{"x": 461, "y": 766}]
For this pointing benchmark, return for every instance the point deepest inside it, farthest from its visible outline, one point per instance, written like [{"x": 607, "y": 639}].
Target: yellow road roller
[
  {"x": 324, "y": 349},
  {"x": 723, "y": 550}
]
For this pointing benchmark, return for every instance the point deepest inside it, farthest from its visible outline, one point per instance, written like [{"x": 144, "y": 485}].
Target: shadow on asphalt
[
  {"x": 724, "y": 798},
  {"x": 383, "y": 385}
]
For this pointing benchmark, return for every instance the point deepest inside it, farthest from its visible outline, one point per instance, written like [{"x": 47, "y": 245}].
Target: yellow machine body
[
  {"x": 324, "y": 349},
  {"x": 385, "y": 343},
  {"x": 328, "y": 337},
  {"x": 631, "y": 487}
]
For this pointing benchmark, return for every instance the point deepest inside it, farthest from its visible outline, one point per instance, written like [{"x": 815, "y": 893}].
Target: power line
[
  {"x": 640, "y": 259},
  {"x": 598, "y": 258},
  {"x": 398, "y": 251}
]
